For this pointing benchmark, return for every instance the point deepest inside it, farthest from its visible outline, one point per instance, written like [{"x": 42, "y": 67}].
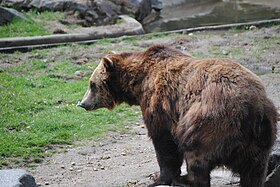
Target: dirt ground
[{"x": 129, "y": 159}]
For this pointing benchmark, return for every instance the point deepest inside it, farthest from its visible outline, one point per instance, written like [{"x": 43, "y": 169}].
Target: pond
[{"x": 213, "y": 12}]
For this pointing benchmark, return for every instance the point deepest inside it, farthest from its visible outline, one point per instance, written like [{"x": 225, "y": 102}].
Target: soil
[{"x": 128, "y": 159}]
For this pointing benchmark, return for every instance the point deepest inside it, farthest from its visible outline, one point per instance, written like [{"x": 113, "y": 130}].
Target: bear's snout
[
  {"x": 85, "y": 105},
  {"x": 81, "y": 104}
]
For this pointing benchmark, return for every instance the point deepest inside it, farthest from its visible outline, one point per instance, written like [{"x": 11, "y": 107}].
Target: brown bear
[{"x": 209, "y": 112}]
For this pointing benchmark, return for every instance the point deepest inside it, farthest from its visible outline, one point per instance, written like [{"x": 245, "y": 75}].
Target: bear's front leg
[{"x": 169, "y": 158}]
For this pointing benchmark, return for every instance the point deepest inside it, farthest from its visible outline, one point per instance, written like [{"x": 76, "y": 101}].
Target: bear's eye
[{"x": 92, "y": 85}]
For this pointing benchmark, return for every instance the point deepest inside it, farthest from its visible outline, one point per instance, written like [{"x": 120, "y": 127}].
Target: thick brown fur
[{"x": 210, "y": 112}]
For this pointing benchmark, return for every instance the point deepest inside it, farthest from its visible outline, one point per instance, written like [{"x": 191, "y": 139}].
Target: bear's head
[{"x": 98, "y": 94}]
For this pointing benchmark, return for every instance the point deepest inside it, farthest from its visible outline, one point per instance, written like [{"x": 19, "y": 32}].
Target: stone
[
  {"x": 100, "y": 12},
  {"x": 157, "y": 5},
  {"x": 8, "y": 14},
  {"x": 94, "y": 13},
  {"x": 13, "y": 2},
  {"x": 139, "y": 8},
  {"x": 16, "y": 178},
  {"x": 47, "y": 183},
  {"x": 73, "y": 163},
  {"x": 273, "y": 179},
  {"x": 273, "y": 170},
  {"x": 55, "y": 5},
  {"x": 252, "y": 27}
]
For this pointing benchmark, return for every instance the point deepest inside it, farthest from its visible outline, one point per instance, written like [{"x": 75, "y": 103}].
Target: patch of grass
[
  {"x": 119, "y": 21},
  {"x": 45, "y": 15},
  {"x": 22, "y": 28},
  {"x": 33, "y": 27},
  {"x": 38, "y": 110}
]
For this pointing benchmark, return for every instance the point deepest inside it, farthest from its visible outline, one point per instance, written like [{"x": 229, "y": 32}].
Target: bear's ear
[{"x": 108, "y": 63}]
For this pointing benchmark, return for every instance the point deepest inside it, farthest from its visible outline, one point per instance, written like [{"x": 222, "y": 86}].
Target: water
[{"x": 213, "y": 13}]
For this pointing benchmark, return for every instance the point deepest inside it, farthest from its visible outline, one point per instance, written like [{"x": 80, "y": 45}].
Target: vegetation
[
  {"x": 35, "y": 26},
  {"x": 22, "y": 28},
  {"x": 38, "y": 108}
]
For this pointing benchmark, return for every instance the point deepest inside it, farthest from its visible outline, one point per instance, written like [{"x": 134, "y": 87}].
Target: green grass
[
  {"x": 19, "y": 28},
  {"x": 38, "y": 110},
  {"x": 45, "y": 15},
  {"x": 33, "y": 27}
]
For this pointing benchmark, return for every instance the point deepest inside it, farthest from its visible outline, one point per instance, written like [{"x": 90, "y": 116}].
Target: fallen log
[
  {"x": 129, "y": 26},
  {"x": 30, "y": 43}
]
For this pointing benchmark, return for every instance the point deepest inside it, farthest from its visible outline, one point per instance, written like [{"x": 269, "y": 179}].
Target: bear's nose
[{"x": 81, "y": 104}]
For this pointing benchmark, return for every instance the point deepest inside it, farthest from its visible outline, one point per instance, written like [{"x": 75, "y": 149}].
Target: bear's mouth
[
  {"x": 86, "y": 106},
  {"x": 90, "y": 108}
]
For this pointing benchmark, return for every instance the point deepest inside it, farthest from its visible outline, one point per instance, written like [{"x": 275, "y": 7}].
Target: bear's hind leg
[
  {"x": 169, "y": 159},
  {"x": 198, "y": 170},
  {"x": 255, "y": 175}
]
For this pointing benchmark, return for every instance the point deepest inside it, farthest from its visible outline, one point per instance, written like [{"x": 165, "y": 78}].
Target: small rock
[
  {"x": 105, "y": 157},
  {"x": 225, "y": 52},
  {"x": 153, "y": 176},
  {"x": 95, "y": 169},
  {"x": 81, "y": 61},
  {"x": 47, "y": 183},
  {"x": 79, "y": 73},
  {"x": 59, "y": 31},
  {"x": 73, "y": 163},
  {"x": 23, "y": 123},
  {"x": 71, "y": 169},
  {"x": 8, "y": 14},
  {"x": 273, "y": 178},
  {"x": 123, "y": 154},
  {"x": 132, "y": 182},
  {"x": 16, "y": 177},
  {"x": 252, "y": 27},
  {"x": 62, "y": 167},
  {"x": 102, "y": 167},
  {"x": 142, "y": 126}
]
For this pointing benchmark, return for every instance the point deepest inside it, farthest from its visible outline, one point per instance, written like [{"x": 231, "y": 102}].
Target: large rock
[
  {"x": 273, "y": 172},
  {"x": 105, "y": 10},
  {"x": 139, "y": 8},
  {"x": 273, "y": 179},
  {"x": 55, "y": 5},
  {"x": 99, "y": 12},
  {"x": 88, "y": 13},
  {"x": 16, "y": 178},
  {"x": 157, "y": 5},
  {"x": 8, "y": 14}
]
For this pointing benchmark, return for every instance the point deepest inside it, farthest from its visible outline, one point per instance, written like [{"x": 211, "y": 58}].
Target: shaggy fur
[{"x": 210, "y": 112}]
